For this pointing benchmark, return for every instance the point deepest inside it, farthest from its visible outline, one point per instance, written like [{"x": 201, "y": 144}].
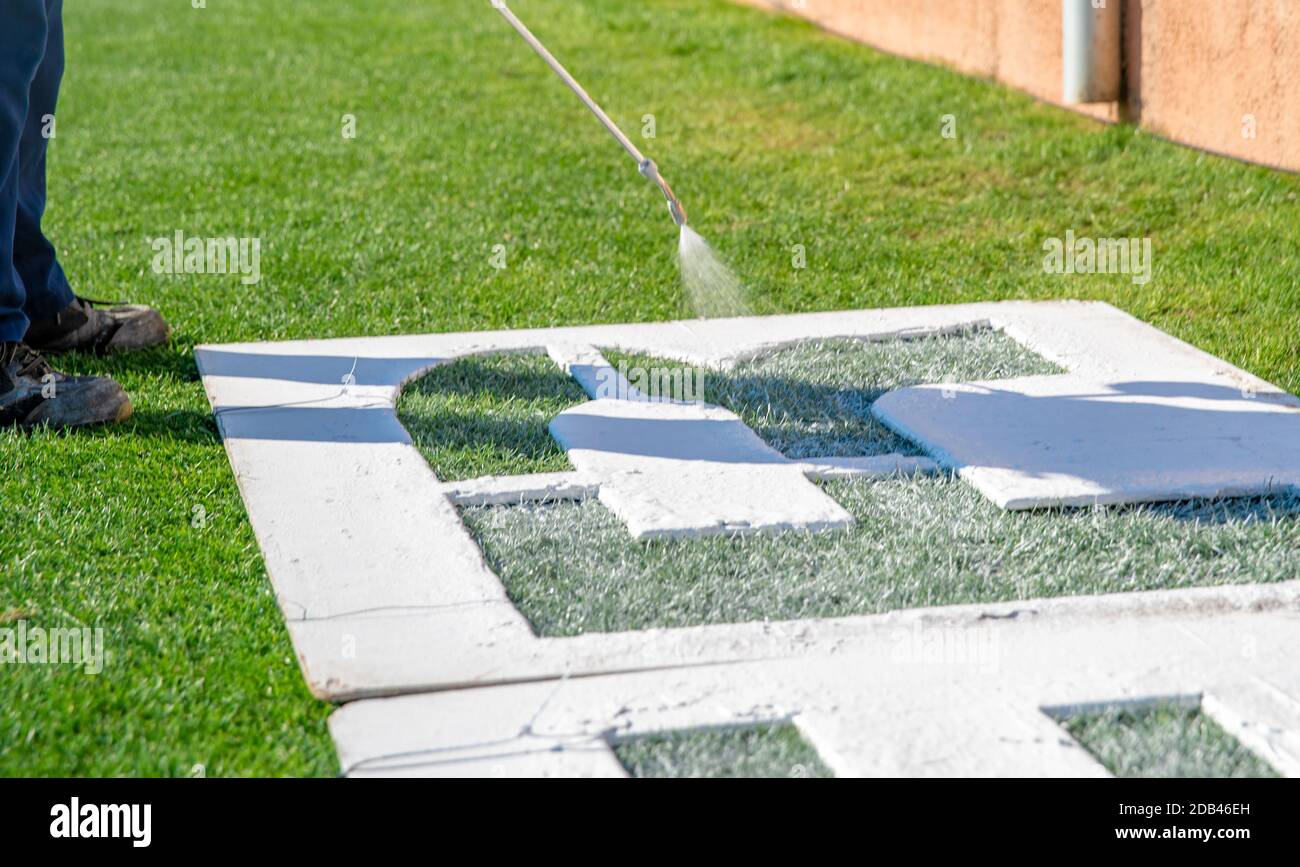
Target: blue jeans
[{"x": 32, "y": 285}]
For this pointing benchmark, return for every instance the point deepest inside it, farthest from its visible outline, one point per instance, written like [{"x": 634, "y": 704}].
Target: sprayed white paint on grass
[
  {"x": 365, "y": 550},
  {"x": 711, "y": 286}
]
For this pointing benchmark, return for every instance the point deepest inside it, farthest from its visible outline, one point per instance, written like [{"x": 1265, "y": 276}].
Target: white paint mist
[{"x": 711, "y": 286}]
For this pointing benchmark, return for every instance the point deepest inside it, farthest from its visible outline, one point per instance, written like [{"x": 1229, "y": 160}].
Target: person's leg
[
  {"x": 31, "y": 392},
  {"x": 22, "y": 44},
  {"x": 48, "y": 291},
  {"x": 60, "y": 321}
]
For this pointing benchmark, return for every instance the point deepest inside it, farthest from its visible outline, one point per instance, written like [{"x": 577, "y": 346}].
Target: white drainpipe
[{"x": 1090, "y": 50}]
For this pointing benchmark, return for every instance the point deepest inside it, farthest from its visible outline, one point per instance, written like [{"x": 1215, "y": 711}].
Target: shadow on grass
[
  {"x": 186, "y": 425},
  {"x": 505, "y": 376},
  {"x": 489, "y": 415},
  {"x": 803, "y": 419},
  {"x": 171, "y": 362},
  {"x": 1283, "y": 505},
  {"x": 449, "y": 429}
]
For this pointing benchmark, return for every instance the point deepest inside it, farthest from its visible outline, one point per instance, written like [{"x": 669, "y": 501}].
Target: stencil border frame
[
  {"x": 384, "y": 591},
  {"x": 990, "y": 703}
]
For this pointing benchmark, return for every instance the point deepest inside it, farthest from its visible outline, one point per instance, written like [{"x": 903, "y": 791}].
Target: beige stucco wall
[
  {"x": 1205, "y": 64},
  {"x": 1194, "y": 69}
]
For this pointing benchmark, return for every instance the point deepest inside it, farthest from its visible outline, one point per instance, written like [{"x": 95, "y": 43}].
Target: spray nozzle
[
  {"x": 646, "y": 166},
  {"x": 675, "y": 208},
  {"x": 651, "y": 173}
]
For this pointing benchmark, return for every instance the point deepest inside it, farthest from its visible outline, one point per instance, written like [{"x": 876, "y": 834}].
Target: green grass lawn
[
  {"x": 1164, "y": 740},
  {"x": 757, "y": 751},
  {"x": 227, "y": 121}
]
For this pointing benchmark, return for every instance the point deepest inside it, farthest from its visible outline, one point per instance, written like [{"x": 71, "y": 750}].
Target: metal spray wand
[{"x": 645, "y": 165}]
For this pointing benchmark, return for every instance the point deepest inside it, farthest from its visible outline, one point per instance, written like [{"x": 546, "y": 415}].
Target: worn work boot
[
  {"x": 32, "y": 393},
  {"x": 83, "y": 325}
]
